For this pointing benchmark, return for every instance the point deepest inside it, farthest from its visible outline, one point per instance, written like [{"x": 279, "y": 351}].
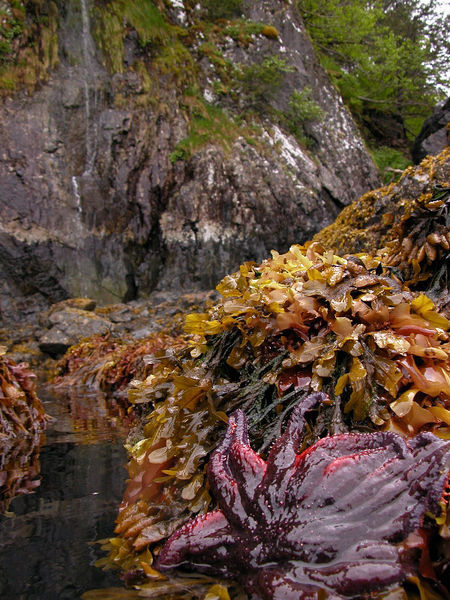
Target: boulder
[
  {"x": 435, "y": 133},
  {"x": 68, "y": 326}
]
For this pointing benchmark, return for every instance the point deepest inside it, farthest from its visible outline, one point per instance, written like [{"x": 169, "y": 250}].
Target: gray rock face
[{"x": 91, "y": 204}]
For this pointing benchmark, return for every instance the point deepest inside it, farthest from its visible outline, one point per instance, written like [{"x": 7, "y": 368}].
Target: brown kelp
[
  {"x": 22, "y": 422},
  {"x": 408, "y": 221},
  {"x": 419, "y": 249},
  {"x": 301, "y": 322},
  {"x": 109, "y": 364}
]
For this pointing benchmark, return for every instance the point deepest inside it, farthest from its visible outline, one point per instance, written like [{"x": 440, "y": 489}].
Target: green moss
[
  {"x": 226, "y": 72},
  {"x": 243, "y": 31},
  {"x": 163, "y": 52},
  {"x": 225, "y": 9},
  {"x": 177, "y": 62},
  {"x": 270, "y": 32},
  {"x": 147, "y": 82},
  {"x": 8, "y": 80},
  {"x": 108, "y": 33},
  {"x": 28, "y": 43},
  {"x": 112, "y": 21},
  {"x": 390, "y": 162},
  {"x": 147, "y": 20},
  {"x": 12, "y": 22},
  {"x": 209, "y": 124}
]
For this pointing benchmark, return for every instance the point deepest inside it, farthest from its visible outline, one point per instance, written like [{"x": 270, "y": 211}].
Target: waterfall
[
  {"x": 90, "y": 89},
  {"x": 88, "y": 74},
  {"x": 76, "y": 191}
]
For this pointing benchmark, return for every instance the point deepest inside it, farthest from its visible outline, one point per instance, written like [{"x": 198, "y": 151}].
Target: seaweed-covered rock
[
  {"x": 22, "y": 423},
  {"x": 367, "y": 223},
  {"x": 407, "y": 224},
  {"x": 300, "y": 322}
]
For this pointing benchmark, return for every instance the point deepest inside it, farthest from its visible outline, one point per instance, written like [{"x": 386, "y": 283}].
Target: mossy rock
[{"x": 367, "y": 223}]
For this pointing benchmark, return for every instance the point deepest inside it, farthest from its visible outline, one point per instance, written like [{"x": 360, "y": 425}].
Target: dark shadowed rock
[{"x": 434, "y": 135}]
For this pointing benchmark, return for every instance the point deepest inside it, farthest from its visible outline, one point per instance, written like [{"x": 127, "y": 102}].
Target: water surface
[{"x": 46, "y": 545}]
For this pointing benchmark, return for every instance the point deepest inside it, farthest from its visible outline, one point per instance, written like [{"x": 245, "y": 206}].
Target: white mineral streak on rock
[
  {"x": 297, "y": 28},
  {"x": 213, "y": 232},
  {"x": 76, "y": 191},
  {"x": 289, "y": 149},
  {"x": 208, "y": 95},
  {"x": 210, "y": 180},
  {"x": 181, "y": 16}
]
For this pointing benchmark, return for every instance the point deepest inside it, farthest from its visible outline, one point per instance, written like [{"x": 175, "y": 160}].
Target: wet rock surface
[
  {"x": 92, "y": 205},
  {"x": 45, "y": 336},
  {"x": 69, "y": 325}
]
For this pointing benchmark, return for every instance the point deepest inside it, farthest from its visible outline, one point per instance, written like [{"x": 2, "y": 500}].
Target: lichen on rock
[{"x": 369, "y": 222}]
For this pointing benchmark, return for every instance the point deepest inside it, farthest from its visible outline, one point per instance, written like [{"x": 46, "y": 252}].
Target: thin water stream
[
  {"x": 90, "y": 87},
  {"x": 47, "y": 544},
  {"x": 90, "y": 83}
]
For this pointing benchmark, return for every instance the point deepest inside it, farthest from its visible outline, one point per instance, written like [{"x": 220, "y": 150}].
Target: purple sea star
[{"x": 329, "y": 519}]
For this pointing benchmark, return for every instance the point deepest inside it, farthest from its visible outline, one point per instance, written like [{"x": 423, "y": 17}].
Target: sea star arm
[
  {"x": 235, "y": 471},
  {"x": 205, "y": 535}
]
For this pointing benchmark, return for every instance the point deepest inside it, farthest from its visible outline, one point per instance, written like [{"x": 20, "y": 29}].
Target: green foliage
[
  {"x": 384, "y": 55},
  {"x": 223, "y": 9},
  {"x": 390, "y": 162},
  {"x": 302, "y": 109},
  {"x": 209, "y": 124},
  {"x": 262, "y": 81},
  {"x": 28, "y": 43},
  {"x": 146, "y": 19},
  {"x": 11, "y": 27}
]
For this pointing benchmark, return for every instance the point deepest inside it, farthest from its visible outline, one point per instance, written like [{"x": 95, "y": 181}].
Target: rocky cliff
[{"x": 161, "y": 147}]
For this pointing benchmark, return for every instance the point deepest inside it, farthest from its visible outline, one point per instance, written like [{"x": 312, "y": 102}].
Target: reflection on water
[
  {"x": 19, "y": 467},
  {"x": 46, "y": 549}
]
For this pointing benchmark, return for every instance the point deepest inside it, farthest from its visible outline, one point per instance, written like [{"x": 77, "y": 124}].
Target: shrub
[
  {"x": 223, "y": 9},
  {"x": 262, "y": 81},
  {"x": 302, "y": 109}
]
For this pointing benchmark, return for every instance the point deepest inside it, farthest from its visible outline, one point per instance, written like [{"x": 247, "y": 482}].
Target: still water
[{"x": 47, "y": 543}]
